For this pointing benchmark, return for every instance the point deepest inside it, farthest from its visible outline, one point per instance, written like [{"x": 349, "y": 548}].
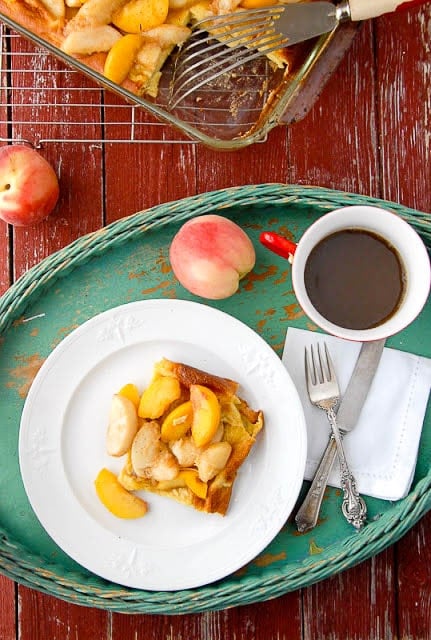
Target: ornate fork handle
[{"x": 354, "y": 507}]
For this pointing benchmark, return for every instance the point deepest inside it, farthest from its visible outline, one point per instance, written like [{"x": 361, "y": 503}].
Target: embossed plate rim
[{"x": 138, "y": 553}]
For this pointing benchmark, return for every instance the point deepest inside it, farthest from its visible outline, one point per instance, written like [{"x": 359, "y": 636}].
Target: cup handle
[{"x": 278, "y": 244}]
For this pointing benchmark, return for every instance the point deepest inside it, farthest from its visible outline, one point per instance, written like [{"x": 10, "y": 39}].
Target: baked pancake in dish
[{"x": 127, "y": 41}]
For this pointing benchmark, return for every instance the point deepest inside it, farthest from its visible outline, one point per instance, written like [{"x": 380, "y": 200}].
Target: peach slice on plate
[
  {"x": 177, "y": 422},
  {"x": 116, "y": 498},
  {"x": 155, "y": 400},
  {"x": 131, "y": 392},
  {"x": 206, "y": 414},
  {"x": 194, "y": 483},
  {"x": 186, "y": 478}
]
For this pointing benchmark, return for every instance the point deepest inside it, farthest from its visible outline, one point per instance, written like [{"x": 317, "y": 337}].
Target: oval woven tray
[{"x": 126, "y": 261}]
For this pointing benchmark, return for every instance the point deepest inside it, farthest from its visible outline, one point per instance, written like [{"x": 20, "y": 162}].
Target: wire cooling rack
[{"x": 42, "y": 101}]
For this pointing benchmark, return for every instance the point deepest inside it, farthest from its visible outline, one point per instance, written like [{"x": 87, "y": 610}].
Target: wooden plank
[
  {"x": 404, "y": 96},
  {"x": 7, "y": 609},
  {"x": 335, "y": 145},
  {"x": 263, "y": 162},
  {"x": 278, "y": 619},
  {"x": 47, "y": 617},
  {"x": 358, "y": 603},
  {"x": 413, "y": 554},
  {"x": 404, "y": 99},
  {"x": 156, "y": 172}
]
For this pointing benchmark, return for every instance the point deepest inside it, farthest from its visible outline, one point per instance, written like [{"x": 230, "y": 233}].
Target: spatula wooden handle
[{"x": 365, "y": 9}]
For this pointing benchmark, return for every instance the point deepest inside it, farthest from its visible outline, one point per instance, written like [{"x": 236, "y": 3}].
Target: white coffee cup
[{"x": 396, "y": 233}]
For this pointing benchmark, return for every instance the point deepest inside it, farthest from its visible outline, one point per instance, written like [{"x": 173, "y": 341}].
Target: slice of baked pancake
[{"x": 194, "y": 433}]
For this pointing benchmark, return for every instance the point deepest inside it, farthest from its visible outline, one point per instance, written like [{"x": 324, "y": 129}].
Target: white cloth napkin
[{"x": 382, "y": 449}]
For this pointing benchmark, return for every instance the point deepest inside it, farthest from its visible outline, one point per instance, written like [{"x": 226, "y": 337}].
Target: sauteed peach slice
[
  {"x": 131, "y": 391},
  {"x": 256, "y": 4},
  {"x": 121, "y": 56},
  {"x": 116, "y": 498},
  {"x": 177, "y": 422},
  {"x": 206, "y": 414},
  {"x": 158, "y": 396},
  {"x": 194, "y": 483},
  {"x": 186, "y": 478},
  {"x": 139, "y": 15}
]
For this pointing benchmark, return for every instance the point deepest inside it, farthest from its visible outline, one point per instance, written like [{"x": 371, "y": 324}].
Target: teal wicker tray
[{"x": 127, "y": 261}]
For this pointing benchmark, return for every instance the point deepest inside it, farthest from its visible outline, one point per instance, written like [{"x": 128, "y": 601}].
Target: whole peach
[
  {"x": 29, "y": 187},
  {"x": 209, "y": 256}
]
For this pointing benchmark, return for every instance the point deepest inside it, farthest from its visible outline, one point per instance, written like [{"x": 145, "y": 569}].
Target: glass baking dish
[{"x": 238, "y": 110}]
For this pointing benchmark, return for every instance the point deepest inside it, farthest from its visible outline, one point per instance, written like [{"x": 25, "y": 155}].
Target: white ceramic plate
[{"x": 62, "y": 446}]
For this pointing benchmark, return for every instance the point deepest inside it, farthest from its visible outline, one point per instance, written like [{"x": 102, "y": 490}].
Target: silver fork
[{"x": 324, "y": 393}]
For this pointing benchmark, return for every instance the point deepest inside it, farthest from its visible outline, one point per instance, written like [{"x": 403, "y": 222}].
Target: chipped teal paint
[{"x": 129, "y": 261}]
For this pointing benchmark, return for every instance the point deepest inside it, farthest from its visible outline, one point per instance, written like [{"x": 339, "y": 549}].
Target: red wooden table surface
[{"x": 369, "y": 133}]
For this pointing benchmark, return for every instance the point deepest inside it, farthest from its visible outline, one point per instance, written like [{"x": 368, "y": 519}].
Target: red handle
[{"x": 278, "y": 244}]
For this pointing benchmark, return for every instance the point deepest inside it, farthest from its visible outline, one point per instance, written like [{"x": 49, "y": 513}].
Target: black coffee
[{"x": 355, "y": 279}]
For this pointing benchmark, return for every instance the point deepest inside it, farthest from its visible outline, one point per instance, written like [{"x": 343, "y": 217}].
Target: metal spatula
[{"x": 221, "y": 43}]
